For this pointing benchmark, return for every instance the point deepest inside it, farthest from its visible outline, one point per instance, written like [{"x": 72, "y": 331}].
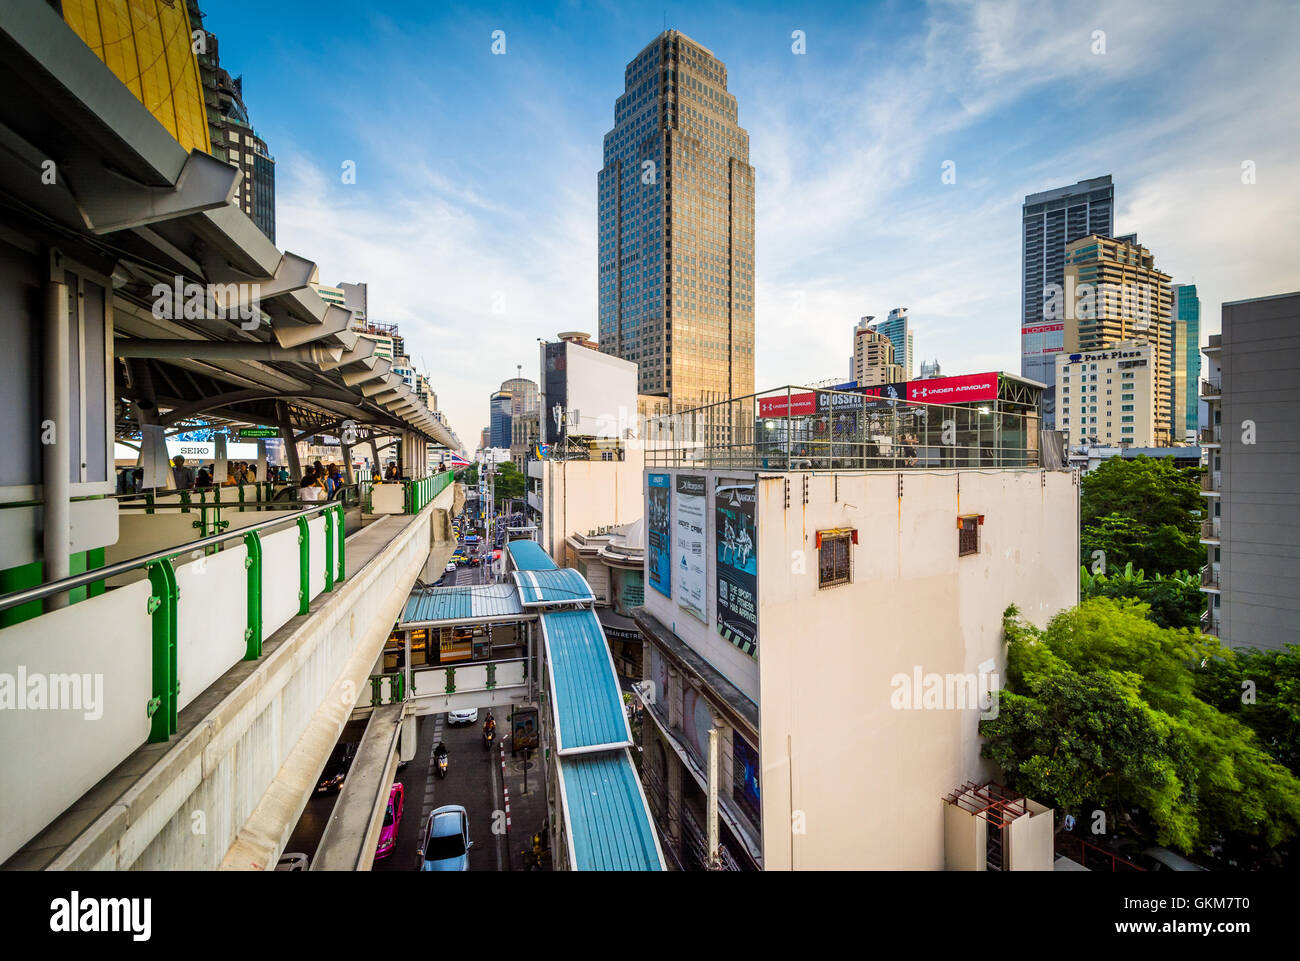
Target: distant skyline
[{"x": 473, "y": 214}]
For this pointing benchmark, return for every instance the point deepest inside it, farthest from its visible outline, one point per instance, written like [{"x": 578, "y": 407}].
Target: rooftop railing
[{"x": 798, "y": 428}]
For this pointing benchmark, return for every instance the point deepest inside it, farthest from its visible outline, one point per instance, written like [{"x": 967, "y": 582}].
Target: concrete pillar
[
  {"x": 406, "y": 750},
  {"x": 56, "y": 486},
  {"x": 290, "y": 446}
]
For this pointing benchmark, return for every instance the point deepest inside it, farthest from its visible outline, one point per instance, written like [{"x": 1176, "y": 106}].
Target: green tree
[
  {"x": 1262, "y": 690},
  {"x": 509, "y": 482},
  {"x": 1143, "y": 510},
  {"x": 1101, "y": 711},
  {"x": 1175, "y": 601}
]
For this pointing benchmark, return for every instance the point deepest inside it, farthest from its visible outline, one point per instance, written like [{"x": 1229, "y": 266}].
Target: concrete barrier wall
[{"x": 228, "y": 792}]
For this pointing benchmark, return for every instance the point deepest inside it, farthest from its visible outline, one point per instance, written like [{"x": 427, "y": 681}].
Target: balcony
[
  {"x": 1210, "y": 577},
  {"x": 1211, "y": 481},
  {"x": 1213, "y": 387},
  {"x": 1209, "y": 625},
  {"x": 1210, "y": 436},
  {"x": 1210, "y": 529}
]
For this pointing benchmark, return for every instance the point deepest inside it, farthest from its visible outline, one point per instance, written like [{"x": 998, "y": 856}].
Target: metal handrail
[{"x": 123, "y": 567}]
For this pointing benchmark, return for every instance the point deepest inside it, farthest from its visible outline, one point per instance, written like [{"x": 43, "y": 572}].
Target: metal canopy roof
[
  {"x": 587, "y": 702},
  {"x": 529, "y": 556},
  {"x": 607, "y": 822},
  {"x": 546, "y": 588},
  {"x": 439, "y": 606},
  {"x": 129, "y": 202}
]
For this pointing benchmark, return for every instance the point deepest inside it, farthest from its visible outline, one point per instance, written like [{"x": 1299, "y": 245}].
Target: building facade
[
  {"x": 1185, "y": 351},
  {"x": 676, "y": 228},
  {"x": 1251, "y": 528},
  {"x": 804, "y": 669},
  {"x": 1108, "y": 397},
  {"x": 1049, "y": 221},
  {"x": 1113, "y": 293}
]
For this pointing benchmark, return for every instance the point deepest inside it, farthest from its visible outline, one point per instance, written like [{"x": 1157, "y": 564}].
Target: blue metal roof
[
  {"x": 529, "y": 556},
  {"x": 587, "y": 701},
  {"x": 457, "y": 605},
  {"x": 607, "y": 824},
  {"x": 560, "y": 586}
]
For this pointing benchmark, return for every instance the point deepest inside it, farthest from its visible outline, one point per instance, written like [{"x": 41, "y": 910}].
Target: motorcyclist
[
  {"x": 489, "y": 726},
  {"x": 440, "y": 751}
]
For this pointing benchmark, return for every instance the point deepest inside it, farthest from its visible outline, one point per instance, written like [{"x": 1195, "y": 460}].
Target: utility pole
[{"x": 712, "y": 815}]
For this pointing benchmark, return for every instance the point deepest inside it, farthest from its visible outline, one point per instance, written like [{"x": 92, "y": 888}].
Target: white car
[
  {"x": 449, "y": 568},
  {"x": 463, "y": 717}
]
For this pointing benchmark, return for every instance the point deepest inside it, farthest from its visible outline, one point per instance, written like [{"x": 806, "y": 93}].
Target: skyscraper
[
  {"x": 676, "y": 224},
  {"x": 898, "y": 329},
  {"x": 875, "y": 360},
  {"x": 500, "y": 430},
  {"x": 1113, "y": 293},
  {"x": 1186, "y": 353},
  {"x": 1050, "y": 220}
]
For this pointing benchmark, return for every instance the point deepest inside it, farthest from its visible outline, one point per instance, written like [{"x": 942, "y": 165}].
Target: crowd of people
[{"x": 325, "y": 478}]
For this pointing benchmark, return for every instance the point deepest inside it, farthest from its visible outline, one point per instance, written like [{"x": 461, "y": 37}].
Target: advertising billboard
[
  {"x": 658, "y": 542},
  {"x": 940, "y": 390},
  {"x": 793, "y": 405},
  {"x": 691, "y": 493},
  {"x": 737, "y": 565}
]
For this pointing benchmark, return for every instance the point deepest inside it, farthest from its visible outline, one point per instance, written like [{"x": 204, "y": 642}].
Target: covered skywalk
[{"x": 604, "y": 822}]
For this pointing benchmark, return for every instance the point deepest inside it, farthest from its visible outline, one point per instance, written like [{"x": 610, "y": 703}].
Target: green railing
[
  {"x": 160, "y": 567},
  {"x": 421, "y": 492}
]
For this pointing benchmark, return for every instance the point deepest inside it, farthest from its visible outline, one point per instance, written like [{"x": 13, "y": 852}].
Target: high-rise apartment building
[
  {"x": 1185, "y": 350},
  {"x": 1114, "y": 292},
  {"x": 899, "y": 331},
  {"x": 1050, "y": 220},
  {"x": 676, "y": 228},
  {"x": 874, "y": 358},
  {"x": 1252, "y": 446},
  {"x": 1107, "y": 397}
]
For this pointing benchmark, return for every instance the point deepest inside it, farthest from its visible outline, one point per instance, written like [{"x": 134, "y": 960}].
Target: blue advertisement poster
[
  {"x": 737, "y": 566},
  {"x": 744, "y": 771},
  {"x": 659, "y": 555}
]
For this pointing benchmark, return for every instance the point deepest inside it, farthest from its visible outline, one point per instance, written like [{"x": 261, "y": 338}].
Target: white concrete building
[{"x": 802, "y": 615}]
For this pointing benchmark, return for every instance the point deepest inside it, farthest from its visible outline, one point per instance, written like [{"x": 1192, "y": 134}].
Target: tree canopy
[
  {"x": 1100, "y": 711},
  {"x": 1144, "y": 510}
]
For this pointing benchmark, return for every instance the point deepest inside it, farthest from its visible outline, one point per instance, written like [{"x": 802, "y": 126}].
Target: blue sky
[{"x": 473, "y": 215}]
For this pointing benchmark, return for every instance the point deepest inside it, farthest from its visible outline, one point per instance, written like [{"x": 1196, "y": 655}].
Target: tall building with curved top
[{"x": 676, "y": 225}]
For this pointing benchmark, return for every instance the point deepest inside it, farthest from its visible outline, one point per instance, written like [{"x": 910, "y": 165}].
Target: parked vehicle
[
  {"x": 469, "y": 716},
  {"x": 392, "y": 822},
  {"x": 449, "y": 568},
  {"x": 446, "y": 841},
  {"x": 292, "y": 862},
  {"x": 335, "y": 771},
  {"x": 1162, "y": 859}
]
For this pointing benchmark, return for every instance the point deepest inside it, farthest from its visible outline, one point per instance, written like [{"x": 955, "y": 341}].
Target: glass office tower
[{"x": 676, "y": 227}]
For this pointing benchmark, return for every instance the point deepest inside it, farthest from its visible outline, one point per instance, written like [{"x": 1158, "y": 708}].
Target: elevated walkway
[{"x": 226, "y": 676}]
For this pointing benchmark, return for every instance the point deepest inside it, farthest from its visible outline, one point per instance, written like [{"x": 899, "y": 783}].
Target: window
[
  {"x": 968, "y": 534},
  {"x": 834, "y": 559}
]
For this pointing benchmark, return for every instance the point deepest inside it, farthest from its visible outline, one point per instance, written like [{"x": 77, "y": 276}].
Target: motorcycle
[
  {"x": 489, "y": 734},
  {"x": 440, "y": 764}
]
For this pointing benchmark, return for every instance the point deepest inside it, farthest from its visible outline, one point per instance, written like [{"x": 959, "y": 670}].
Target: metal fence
[{"x": 797, "y": 428}]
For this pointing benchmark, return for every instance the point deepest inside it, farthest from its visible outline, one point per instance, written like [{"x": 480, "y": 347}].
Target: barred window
[
  {"x": 968, "y": 534},
  {"x": 834, "y": 560}
]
